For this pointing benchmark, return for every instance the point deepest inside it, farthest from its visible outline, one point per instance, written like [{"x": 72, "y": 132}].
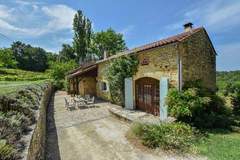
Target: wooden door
[{"x": 147, "y": 95}]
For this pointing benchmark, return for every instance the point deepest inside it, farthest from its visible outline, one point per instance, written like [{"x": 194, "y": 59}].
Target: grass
[
  {"x": 221, "y": 146},
  {"x": 12, "y": 80},
  {"x": 8, "y": 87},
  {"x": 21, "y": 75}
]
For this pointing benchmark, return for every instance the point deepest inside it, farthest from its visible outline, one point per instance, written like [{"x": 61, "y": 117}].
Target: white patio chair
[
  {"x": 91, "y": 101},
  {"x": 87, "y": 97},
  {"x": 69, "y": 105}
]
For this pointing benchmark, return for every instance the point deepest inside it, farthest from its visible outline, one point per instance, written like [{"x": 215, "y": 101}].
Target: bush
[
  {"x": 118, "y": 70},
  {"x": 198, "y": 108},
  {"x": 168, "y": 136},
  {"x": 7, "y": 152},
  {"x": 7, "y": 58},
  {"x": 59, "y": 71},
  {"x": 232, "y": 90},
  {"x": 183, "y": 104},
  {"x": 59, "y": 84},
  {"x": 17, "y": 113}
]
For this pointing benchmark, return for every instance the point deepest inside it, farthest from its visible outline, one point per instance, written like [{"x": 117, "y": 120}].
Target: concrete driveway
[{"x": 91, "y": 134}]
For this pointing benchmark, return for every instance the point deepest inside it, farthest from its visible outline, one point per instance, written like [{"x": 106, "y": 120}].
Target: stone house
[{"x": 170, "y": 62}]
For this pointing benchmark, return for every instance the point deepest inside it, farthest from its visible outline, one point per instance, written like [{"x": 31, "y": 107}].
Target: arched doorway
[{"x": 147, "y": 95}]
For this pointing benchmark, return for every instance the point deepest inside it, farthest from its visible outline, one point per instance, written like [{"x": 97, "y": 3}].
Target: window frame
[{"x": 103, "y": 86}]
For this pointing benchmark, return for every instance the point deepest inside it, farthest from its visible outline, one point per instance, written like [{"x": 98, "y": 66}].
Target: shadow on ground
[{"x": 52, "y": 148}]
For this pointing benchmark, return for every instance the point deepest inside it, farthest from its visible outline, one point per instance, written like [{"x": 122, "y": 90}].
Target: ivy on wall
[{"x": 118, "y": 70}]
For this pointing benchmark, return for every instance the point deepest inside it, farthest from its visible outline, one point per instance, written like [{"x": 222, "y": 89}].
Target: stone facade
[
  {"x": 198, "y": 60},
  {"x": 188, "y": 56},
  {"x": 87, "y": 85},
  {"x": 195, "y": 56},
  {"x": 162, "y": 62},
  {"x": 102, "y": 68}
]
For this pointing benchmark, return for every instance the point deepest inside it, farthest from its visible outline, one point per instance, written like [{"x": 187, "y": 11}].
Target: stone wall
[
  {"x": 162, "y": 62},
  {"x": 198, "y": 60},
  {"x": 87, "y": 85},
  {"x": 197, "y": 57},
  {"x": 36, "y": 149},
  {"x": 102, "y": 68}
]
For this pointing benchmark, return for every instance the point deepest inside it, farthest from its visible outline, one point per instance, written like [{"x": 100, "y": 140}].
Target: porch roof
[{"x": 87, "y": 71}]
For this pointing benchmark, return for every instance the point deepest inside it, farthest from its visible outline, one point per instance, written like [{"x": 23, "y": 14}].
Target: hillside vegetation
[
  {"x": 18, "y": 112},
  {"x": 21, "y": 75},
  {"x": 224, "y": 78},
  {"x": 12, "y": 80}
]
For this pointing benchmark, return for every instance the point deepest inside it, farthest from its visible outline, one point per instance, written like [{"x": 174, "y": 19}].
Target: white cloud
[
  {"x": 27, "y": 2},
  {"x": 35, "y": 19},
  {"x": 217, "y": 16},
  {"x": 4, "y": 12},
  {"x": 7, "y": 26},
  {"x": 61, "y": 16}
]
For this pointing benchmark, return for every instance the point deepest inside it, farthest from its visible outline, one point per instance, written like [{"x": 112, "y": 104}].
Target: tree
[
  {"x": 52, "y": 57},
  {"x": 67, "y": 53},
  {"x": 82, "y": 34},
  {"x": 29, "y": 58},
  {"x": 59, "y": 71},
  {"x": 108, "y": 41},
  {"x": 7, "y": 58}
]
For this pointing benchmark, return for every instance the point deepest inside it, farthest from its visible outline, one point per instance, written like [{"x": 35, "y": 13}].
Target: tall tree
[
  {"x": 29, "y": 58},
  {"x": 7, "y": 58},
  {"x": 109, "y": 41},
  {"x": 67, "y": 53},
  {"x": 82, "y": 34}
]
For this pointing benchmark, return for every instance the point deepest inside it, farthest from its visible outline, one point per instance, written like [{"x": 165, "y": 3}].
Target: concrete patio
[{"x": 91, "y": 134}]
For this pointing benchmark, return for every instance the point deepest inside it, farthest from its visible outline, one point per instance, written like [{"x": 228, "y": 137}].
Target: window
[{"x": 103, "y": 86}]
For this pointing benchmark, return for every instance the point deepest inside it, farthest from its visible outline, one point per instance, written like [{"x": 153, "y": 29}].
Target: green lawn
[
  {"x": 21, "y": 75},
  {"x": 221, "y": 146},
  {"x": 12, "y": 80},
  {"x": 7, "y": 87}
]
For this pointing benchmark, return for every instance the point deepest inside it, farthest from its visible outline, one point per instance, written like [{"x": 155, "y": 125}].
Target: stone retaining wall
[{"x": 36, "y": 149}]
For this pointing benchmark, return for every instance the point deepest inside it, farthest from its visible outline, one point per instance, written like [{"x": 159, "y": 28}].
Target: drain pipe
[{"x": 179, "y": 63}]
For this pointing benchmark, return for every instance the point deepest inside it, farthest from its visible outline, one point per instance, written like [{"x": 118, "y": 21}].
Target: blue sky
[{"x": 48, "y": 23}]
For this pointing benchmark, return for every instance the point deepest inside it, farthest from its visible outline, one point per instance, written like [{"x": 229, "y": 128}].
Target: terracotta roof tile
[{"x": 177, "y": 38}]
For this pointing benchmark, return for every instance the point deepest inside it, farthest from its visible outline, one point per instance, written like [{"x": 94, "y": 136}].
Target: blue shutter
[
  {"x": 163, "y": 94},
  {"x": 128, "y": 84}
]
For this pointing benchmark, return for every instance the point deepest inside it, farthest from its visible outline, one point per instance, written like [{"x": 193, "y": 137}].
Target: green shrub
[
  {"x": 183, "y": 104},
  {"x": 59, "y": 71},
  {"x": 168, "y": 136},
  {"x": 59, "y": 84},
  {"x": 232, "y": 90},
  {"x": 118, "y": 70},
  {"x": 198, "y": 108},
  {"x": 7, "y": 152}
]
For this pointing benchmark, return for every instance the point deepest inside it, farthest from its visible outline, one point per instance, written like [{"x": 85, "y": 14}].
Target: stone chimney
[{"x": 188, "y": 27}]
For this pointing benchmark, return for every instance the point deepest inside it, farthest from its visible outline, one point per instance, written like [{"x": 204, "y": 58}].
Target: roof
[
  {"x": 82, "y": 71},
  {"x": 173, "y": 39}
]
